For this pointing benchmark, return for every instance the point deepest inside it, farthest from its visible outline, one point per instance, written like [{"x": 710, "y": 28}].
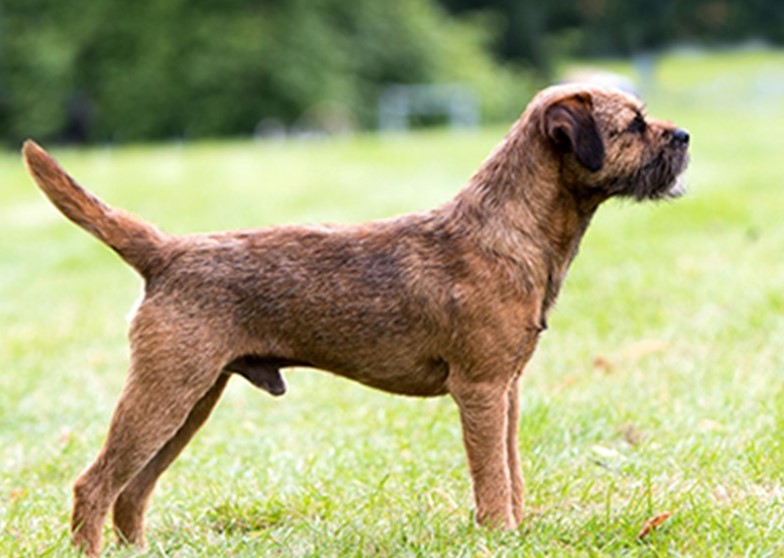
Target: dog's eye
[{"x": 637, "y": 125}]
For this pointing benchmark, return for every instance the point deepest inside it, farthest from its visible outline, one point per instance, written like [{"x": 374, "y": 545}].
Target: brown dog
[{"x": 446, "y": 301}]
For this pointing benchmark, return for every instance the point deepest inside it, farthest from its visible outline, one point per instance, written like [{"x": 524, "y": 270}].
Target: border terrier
[{"x": 447, "y": 301}]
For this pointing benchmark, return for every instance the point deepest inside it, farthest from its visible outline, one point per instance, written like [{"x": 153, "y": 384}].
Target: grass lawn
[{"x": 658, "y": 388}]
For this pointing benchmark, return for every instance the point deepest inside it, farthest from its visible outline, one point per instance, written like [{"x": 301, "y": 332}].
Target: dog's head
[{"x": 607, "y": 146}]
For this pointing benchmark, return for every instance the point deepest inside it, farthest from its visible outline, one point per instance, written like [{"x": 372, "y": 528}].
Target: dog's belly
[
  {"x": 426, "y": 380},
  {"x": 422, "y": 380},
  {"x": 399, "y": 374},
  {"x": 386, "y": 349}
]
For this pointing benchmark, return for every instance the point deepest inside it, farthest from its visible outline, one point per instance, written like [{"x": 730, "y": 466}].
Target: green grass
[{"x": 659, "y": 386}]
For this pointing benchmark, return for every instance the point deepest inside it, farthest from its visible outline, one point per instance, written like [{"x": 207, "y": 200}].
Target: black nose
[{"x": 680, "y": 137}]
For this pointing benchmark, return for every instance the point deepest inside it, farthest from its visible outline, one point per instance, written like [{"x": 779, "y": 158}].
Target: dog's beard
[
  {"x": 660, "y": 179},
  {"x": 677, "y": 188}
]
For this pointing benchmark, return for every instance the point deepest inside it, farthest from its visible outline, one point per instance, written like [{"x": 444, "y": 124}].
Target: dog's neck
[{"x": 518, "y": 208}]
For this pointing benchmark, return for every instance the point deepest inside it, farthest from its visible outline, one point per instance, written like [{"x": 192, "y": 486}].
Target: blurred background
[{"x": 105, "y": 71}]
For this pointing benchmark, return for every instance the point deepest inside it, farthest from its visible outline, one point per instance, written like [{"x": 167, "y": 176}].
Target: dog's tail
[{"x": 138, "y": 243}]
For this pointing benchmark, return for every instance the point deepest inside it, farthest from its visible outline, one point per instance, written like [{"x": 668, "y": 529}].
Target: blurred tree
[
  {"x": 106, "y": 70},
  {"x": 538, "y": 32}
]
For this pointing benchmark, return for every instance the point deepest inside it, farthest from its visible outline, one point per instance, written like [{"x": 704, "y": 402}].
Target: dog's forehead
[
  {"x": 609, "y": 104},
  {"x": 616, "y": 106}
]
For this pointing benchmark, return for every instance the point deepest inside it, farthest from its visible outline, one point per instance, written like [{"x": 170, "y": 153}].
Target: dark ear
[{"x": 570, "y": 125}]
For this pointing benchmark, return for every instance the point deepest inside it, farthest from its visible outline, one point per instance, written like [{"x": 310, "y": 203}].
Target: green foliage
[
  {"x": 543, "y": 32},
  {"x": 174, "y": 69}
]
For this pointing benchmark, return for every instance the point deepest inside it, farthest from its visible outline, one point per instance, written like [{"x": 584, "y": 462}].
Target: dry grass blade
[{"x": 652, "y": 524}]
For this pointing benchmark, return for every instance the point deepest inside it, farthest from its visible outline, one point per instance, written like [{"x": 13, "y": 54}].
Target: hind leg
[
  {"x": 162, "y": 390},
  {"x": 131, "y": 504}
]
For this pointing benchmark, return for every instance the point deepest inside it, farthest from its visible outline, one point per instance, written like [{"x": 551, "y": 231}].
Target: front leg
[
  {"x": 484, "y": 414},
  {"x": 513, "y": 452}
]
